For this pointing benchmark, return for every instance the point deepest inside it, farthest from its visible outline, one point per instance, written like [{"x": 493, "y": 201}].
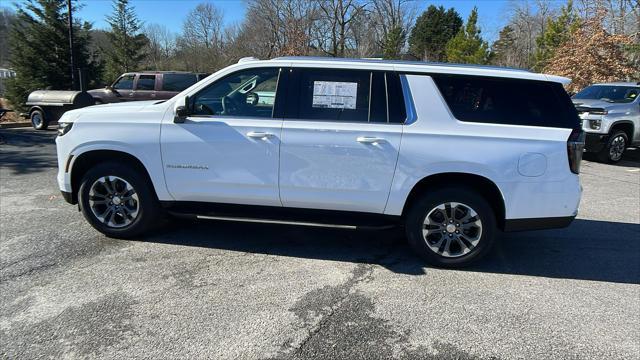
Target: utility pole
[{"x": 74, "y": 82}]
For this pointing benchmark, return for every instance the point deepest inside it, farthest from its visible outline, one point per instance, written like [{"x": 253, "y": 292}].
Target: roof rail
[
  {"x": 246, "y": 59},
  {"x": 400, "y": 62}
]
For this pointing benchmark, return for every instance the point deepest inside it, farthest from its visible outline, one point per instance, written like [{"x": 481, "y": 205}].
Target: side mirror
[{"x": 182, "y": 112}]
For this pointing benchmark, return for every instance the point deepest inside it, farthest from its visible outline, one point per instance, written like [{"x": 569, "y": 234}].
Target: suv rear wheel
[
  {"x": 451, "y": 227},
  {"x": 117, "y": 200},
  {"x": 615, "y": 147}
]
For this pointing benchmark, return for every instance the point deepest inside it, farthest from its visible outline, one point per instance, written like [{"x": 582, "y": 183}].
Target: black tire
[
  {"x": 149, "y": 212},
  {"x": 415, "y": 217},
  {"x": 38, "y": 120},
  {"x": 609, "y": 155}
]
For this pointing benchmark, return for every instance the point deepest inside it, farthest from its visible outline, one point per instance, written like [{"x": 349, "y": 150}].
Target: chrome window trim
[{"x": 408, "y": 101}]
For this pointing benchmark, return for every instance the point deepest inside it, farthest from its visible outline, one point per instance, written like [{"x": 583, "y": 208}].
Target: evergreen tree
[
  {"x": 502, "y": 51},
  {"x": 432, "y": 31},
  {"x": 393, "y": 42},
  {"x": 127, "y": 41},
  {"x": 39, "y": 46},
  {"x": 555, "y": 34},
  {"x": 468, "y": 47}
]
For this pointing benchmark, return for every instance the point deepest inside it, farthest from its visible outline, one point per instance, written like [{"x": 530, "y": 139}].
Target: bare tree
[
  {"x": 280, "y": 27},
  {"x": 392, "y": 17},
  {"x": 199, "y": 47},
  {"x": 528, "y": 20},
  {"x": 365, "y": 43},
  {"x": 618, "y": 16},
  {"x": 334, "y": 35},
  {"x": 161, "y": 46},
  {"x": 203, "y": 26}
]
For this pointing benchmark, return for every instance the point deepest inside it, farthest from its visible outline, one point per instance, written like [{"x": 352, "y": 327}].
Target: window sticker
[{"x": 334, "y": 95}]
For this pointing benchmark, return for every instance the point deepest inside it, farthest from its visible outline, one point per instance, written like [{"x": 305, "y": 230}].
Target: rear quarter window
[
  {"x": 507, "y": 101},
  {"x": 178, "y": 82}
]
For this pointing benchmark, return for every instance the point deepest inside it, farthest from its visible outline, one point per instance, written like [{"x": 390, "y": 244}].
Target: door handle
[
  {"x": 259, "y": 135},
  {"x": 369, "y": 139}
]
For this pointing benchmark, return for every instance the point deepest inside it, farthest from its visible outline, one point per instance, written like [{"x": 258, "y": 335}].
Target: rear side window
[
  {"x": 178, "y": 82},
  {"x": 335, "y": 95},
  {"x": 347, "y": 96},
  {"x": 146, "y": 82},
  {"x": 507, "y": 101}
]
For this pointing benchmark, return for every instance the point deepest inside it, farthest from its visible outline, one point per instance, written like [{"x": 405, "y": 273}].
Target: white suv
[{"x": 453, "y": 153}]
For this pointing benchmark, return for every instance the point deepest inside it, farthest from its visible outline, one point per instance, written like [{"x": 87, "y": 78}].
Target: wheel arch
[
  {"x": 46, "y": 115},
  {"x": 36, "y": 107},
  {"x": 625, "y": 125},
  {"x": 86, "y": 160},
  {"x": 484, "y": 186}
]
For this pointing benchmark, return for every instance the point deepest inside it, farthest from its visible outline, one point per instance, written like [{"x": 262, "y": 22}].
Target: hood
[
  {"x": 128, "y": 106},
  {"x": 595, "y": 103},
  {"x": 111, "y": 111}
]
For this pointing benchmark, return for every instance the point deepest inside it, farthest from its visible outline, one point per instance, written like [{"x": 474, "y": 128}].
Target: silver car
[{"x": 610, "y": 116}]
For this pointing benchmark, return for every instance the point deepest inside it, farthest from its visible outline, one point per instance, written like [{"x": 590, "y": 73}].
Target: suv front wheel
[
  {"x": 451, "y": 227},
  {"x": 117, "y": 200}
]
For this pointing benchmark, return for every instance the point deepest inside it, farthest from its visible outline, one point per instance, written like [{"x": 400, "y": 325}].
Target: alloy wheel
[
  {"x": 452, "y": 229},
  {"x": 618, "y": 145},
  {"x": 113, "y": 201}
]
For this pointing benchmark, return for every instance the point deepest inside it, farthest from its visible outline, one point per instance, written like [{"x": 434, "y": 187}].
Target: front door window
[
  {"x": 247, "y": 93},
  {"x": 124, "y": 83}
]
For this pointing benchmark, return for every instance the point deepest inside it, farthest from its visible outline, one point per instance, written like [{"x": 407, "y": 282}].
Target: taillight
[{"x": 575, "y": 148}]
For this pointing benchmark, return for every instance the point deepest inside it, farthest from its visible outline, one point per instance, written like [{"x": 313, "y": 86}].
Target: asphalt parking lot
[{"x": 253, "y": 291}]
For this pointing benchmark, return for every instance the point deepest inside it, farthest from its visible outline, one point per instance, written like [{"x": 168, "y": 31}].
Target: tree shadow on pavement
[
  {"x": 27, "y": 153},
  {"x": 586, "y": 250},
  {"x": 631, "y": 158}
]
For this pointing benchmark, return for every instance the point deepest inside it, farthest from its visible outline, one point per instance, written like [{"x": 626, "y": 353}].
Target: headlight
[
  {"x": 64, "y": 128},
  {"x": 595, "y": 124}
]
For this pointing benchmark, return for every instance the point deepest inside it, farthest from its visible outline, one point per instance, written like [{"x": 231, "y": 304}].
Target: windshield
[{"x": 609, "y": 93}]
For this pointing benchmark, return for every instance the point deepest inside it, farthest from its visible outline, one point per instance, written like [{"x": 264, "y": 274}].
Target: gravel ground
[{"x": 251, "y": 291}]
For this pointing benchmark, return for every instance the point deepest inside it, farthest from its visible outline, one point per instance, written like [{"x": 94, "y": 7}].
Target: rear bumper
[
  {"x": 595, "y": 142},
  {"x": 537, "y": 223}
]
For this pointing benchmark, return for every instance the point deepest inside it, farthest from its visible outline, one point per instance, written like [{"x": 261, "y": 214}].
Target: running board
[
  {"x": 281, "y": 222},
  {"x": 283, "y": 216}
]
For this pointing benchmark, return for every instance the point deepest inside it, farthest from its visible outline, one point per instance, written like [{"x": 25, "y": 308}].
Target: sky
[{"x": 171, "y": 13}]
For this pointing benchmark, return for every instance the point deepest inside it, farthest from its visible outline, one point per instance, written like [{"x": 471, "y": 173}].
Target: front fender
[{"x": 152, "y": 166}]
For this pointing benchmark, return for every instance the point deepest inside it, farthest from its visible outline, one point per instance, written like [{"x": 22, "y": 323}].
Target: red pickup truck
[{"x": 147, "y": 85}]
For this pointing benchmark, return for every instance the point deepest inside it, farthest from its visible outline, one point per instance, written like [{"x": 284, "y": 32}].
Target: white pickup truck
[{"x": 452, "y": 153}]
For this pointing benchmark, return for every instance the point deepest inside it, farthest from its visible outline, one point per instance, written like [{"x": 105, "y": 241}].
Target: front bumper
[
  {"x": 68, "y": 197},
  {"x": 595, "y": 142}
]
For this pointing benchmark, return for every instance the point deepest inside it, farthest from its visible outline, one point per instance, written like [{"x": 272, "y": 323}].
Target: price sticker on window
[{"x": 334, "y": 95}]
